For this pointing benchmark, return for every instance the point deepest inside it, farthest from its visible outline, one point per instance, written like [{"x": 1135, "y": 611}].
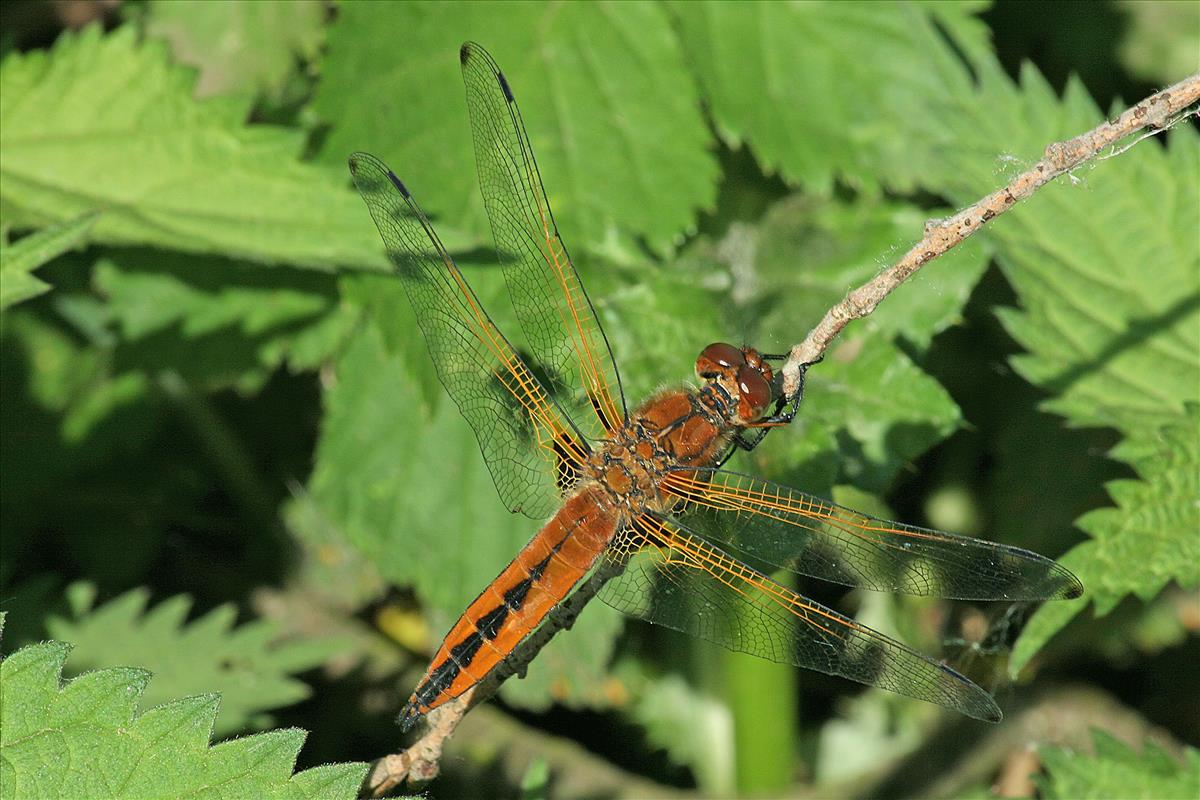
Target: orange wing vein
[
  {"x": 805, "y": 534},
  {"x": 525, "y": 439},
  {"x": 674, "y": 578},
  {"x": 556, "y": 316}
]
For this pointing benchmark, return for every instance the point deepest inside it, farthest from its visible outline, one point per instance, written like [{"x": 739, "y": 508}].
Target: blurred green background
[{"x": 226, "y": 458}]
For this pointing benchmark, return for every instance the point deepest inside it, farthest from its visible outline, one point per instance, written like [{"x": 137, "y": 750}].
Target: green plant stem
[{"x": 762, "y": 697}]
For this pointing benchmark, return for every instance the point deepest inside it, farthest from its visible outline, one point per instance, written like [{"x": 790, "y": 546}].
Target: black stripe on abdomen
[{"x": 487, "y": 628}]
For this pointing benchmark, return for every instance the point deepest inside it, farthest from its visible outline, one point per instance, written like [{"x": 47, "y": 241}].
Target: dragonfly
[{"x": 642, "y": 494}]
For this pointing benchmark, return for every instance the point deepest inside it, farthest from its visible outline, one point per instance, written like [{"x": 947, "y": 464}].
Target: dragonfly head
[{"x": 744, "y": 376}]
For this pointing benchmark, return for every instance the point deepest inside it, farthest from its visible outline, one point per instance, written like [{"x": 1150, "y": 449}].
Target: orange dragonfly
[{"x": 641, "y": 493}]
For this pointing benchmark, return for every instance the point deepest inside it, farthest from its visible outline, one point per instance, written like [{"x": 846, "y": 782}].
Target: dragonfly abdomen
[{"x": 515, "y": 603}]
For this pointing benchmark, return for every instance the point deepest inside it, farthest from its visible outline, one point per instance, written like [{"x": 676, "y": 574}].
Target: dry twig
[
  {"x": 1156, "y": 113},
  {"x": 419, "y": 763}
]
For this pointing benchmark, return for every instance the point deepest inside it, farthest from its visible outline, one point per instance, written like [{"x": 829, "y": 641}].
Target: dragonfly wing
[
  {"x": 796, "y": 531},
  {"x": 674, "y": 578},
  {"x": 528, "y": 444},
  {"x": 560, "y": 325}
]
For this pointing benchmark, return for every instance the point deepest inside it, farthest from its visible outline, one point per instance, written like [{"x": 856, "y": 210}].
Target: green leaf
[
  {"x": 1162, "y": 42},
  {"x": 103, "y": 121},
  {"x": 85, "y": 739},
  {"x": 330, "y": 570},
  {"x": 818, "y": 94},
  {"x": 1106, "y": 263},
  {"x": 809, "y": 252},
  {"x": 243, "y": 48},
  {"x": 1136, "y": 548},
  {"x": 411, "y": 492},
  {"x": 18, "y": 261},
  {"x": 657, "y": 322},
  {"x": 868, "y": 411},
  {"x": 72, "y": 379},
  {"x": 611, "y": 110},
  {"x": 245, "y": 664},
  {"x": 1109, "y": 281},
  {"x": 219, "y": 322},
  {"x": 1116, "y": 770},
  {"x": 1106, "y": 266}
]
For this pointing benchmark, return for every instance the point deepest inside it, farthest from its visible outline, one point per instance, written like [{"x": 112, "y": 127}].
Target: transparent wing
[
  {"x": 560, "y": 325},
  {"x": 675, "y": 579},
  {"x": 527, "y": 443},
  {"x": 796, "y": 531}
]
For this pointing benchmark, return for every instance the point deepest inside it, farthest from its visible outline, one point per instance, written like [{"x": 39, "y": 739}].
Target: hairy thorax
[{"x": 673, "y": 430}]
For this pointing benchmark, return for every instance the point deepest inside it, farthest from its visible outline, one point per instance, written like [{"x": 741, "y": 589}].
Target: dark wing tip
[
  {"x": 399, "y": 184},
  {"x": 361, "y": 163},
  {"x": 1073, "y": 589},
  {"x": 471, "y": 51},
  {"x": 508, "y": 95},
  {"x": 1065, "y": 586},
  {"x": 356, "y": 161},
  {"x": 967, "y": 697}
]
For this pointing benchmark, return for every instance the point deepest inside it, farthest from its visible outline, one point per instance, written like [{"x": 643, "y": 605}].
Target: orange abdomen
[{"x": 516, "y": 602}]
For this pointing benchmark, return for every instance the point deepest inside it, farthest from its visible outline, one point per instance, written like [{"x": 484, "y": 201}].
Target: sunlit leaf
[
  {"x": 239, "y": 47},
  {"x": 611, "y": 110},
  {"x": 18, "y": 261},
  {"x": 1117, "y": 770},
  {"x": 103, "y": 121},
  {"x": 86, "y": 738},
  {"x": 245, "y": 664},
  {"x": 819, "y": 95}
]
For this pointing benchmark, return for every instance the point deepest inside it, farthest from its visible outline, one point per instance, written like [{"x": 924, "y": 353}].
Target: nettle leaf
[
  {"x": 810, "y": 252},
  {"x": 18, "y": 261},
  {"x": 656, "y": 322},
  {"x": 239, "y": 47},
  {"x": 819, "y": 95},
  {"x": 1116, "y": 770},
  {"x": 411, "y": 491},
  {"x": 1147, "y": 540},
  {"x": 217, "y": 322},
  {"x": 1106, "y": 264},
  {"x": 245, "y": 664},
  {"x": 1107, "y": 269},
  {"x": 104, "y": 121},
  {"x": 1161, "y": 41},
  {"x": 622, "y": 147},
  {"x": 85, "y": 738},
  {"x": 875, "y": 406}
]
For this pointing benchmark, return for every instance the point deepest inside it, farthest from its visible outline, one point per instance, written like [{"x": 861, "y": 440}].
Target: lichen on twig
[{"x": 1156, "y": 113}]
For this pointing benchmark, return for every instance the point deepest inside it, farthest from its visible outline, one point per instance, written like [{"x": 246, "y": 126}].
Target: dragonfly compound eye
[
  {"x": 717, "y": 358},
  {"x": 755, "y": 390}
]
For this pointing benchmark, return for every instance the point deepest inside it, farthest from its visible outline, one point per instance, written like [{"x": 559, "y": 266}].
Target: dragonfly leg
[
  {"x": 786, "y": 409},
  {"x": 742, "y": 442}
]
